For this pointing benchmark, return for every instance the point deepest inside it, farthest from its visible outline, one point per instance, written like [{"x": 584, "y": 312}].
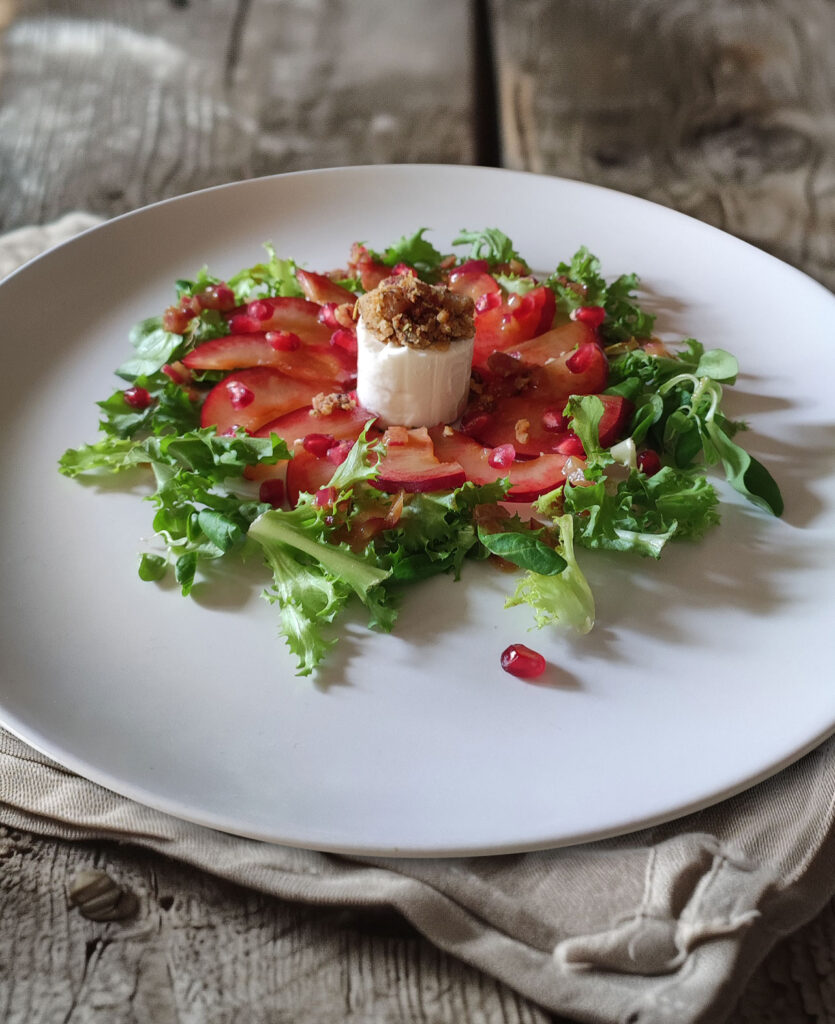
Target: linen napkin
[{"x": 662, "y": 925}]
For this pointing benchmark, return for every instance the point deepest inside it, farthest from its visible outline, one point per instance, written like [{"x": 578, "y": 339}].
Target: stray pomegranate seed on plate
[{"x": 521, "y": 661}]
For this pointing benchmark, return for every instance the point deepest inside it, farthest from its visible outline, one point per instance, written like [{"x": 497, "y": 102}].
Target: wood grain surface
[{"x": 724, "y": 110}]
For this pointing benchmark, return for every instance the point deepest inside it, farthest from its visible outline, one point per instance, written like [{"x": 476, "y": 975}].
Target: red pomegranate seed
[
  {"x": 591, "y": 315},
  {"x": 137, "y": 398},
  {"x": 318, "y": 444},
  {"x": 489, "y": 300},
  {"x": 554, "y": 421},
  {"x": 240, "y": 396},
  {"x": 176, "y": 320},
  {"x": 259, "y": 310},
  {"x": 581, "y": 358},
  {"x": 502, "y": 456},
  {"x": 346, "y": 340},
  {"x": 521, "y": 661},
  {"x": 327, "y": 315},
  {"x": 339, "y": 452},
  {"x": 649, "y": 462},
  {"x": 325, "y": 497},
  {"x": 283, "y": 341},
  {"x": 272, "y": 492}
]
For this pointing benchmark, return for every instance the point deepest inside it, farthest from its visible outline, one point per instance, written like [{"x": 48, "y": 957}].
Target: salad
[{"x": 577, "y": 428}]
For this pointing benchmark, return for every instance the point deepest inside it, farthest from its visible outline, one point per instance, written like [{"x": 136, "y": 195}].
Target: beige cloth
[{"x": 664, "y": 925}]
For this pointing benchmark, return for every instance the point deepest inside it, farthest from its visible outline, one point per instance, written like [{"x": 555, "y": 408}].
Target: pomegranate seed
[
  {"x": 502, "y": 456},
  {"x": 325, "y": 497},
  {"x": 404, "y": 268},
  {"x": 272, "y": 492},
  {"x": 554, "y": 421},
  {"x": 581, "y": 358},
  {"x": 318, "y": 444},
  {"x": 137, "y": 398},
  {"x": 521, "y": 661},
  {"x": 591, "y": 315},
  {"x": 327, "y": 315},
  {"x": 339, "y": 452},
  {"x": 240, "y": 395},
  {"x": 176, "y": 320},
  {"x": 259, "y": 310},
  {"x": 571, "y": 445},
  {"x": 649, "y": 462},
  {"x": 489, "y": 300},
  {"x": 346, "y": 340},
  {"x": 283, "y": 341}
]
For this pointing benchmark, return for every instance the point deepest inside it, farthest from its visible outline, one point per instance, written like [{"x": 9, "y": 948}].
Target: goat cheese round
[{"x": 412, "y": 387}]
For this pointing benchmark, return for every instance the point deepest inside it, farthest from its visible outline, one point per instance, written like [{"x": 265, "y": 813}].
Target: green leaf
[
  {"x": 415, "y": 251},
  {"x": 152, "y": 567},
  {"x": 524, "y": 549},
  {"x": 745, "y": 474},
  {"x": 564, "y": 598},
  {"x": 184, "y": 570},
  {"x": 491, "y": 245},
  {"x": 719, "y": 365},
  {"x": 276, "y": 277},
  {"x": 154, "y": 348},
  {"x": 222, "y": 531}
]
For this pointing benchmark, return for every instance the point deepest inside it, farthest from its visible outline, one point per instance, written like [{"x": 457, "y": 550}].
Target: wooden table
[{"x": 721, "y": 109}]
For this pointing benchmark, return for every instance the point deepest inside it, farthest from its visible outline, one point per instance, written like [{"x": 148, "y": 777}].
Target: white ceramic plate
[{"x": 705, "y": 673}]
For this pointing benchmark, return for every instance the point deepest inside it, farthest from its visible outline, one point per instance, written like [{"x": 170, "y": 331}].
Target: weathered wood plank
[
  {"x": 721, "y": 110},
  {"x": 109, "y": 109},
  {"x": 201, "y": 951}
]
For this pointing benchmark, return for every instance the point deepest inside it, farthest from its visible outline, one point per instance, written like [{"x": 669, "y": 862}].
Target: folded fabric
[{"x": 662, "y": 925}]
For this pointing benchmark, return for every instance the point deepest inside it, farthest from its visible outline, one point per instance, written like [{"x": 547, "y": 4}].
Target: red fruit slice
[
  {"x": 410, "y": 464},
  {"x": 473, "y": 279},
  {"x": 585, "y": 371},
  {"x": 617, "y": 412},
  {"x": 528, "y": 479},
  {"x": 510, "y": 323},
  {"x": 298, "y": 316},
  {"x": 369, "y": 270},
  {"x": 273, "y": 394},
  {"x": 309, "y": 362},
  {"x": 526, "y": 421},
  {"x": 319, "y": 288},
  {"x": 341, "y": 424},
  {"x": 306, "y": 473},
  {"x": 521, "y": 420},
  {"x": 555, "y": 342}
]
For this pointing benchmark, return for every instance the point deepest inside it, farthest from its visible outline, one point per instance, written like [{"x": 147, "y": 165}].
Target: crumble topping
[
  {"x": 403, "y": 310},
  {"x": 324, "y": 405}
]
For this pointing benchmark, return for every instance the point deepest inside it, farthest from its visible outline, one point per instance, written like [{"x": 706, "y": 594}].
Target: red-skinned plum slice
[
  {"x": 528, "y": 480},
  {"x": 273, "y": 394},
  {"x": 410, "y": 464},
  {"x": 307, "y": 362}
]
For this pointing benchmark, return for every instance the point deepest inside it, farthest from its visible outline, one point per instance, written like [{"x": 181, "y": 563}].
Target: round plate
[{"x": 706, "y": 671}]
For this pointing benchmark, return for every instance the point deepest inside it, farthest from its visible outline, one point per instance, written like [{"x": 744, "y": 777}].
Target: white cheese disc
[{"x": 412, "y": 387}]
